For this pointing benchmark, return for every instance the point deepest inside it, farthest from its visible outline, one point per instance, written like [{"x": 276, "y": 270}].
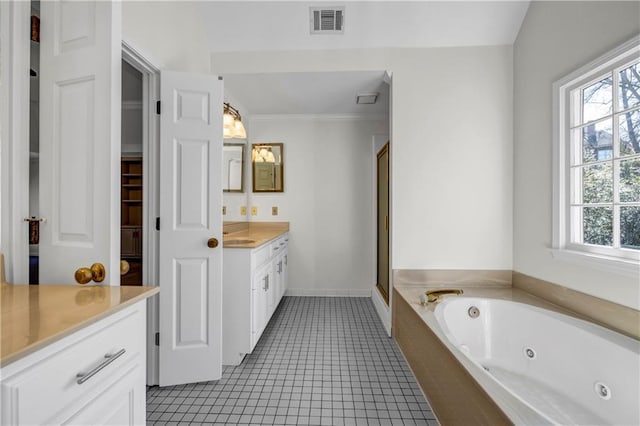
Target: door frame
[
  {"x": 151, "y": 194},
  {"x": 14, "y": 153}
]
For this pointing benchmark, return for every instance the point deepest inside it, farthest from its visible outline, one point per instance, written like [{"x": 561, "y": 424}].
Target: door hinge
[
  {"x": 158, "y": 107},
  {"x": 157, "y": 223},
  {"x": 157, "y": 339}
]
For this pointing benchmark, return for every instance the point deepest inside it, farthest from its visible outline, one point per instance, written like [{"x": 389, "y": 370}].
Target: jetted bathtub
[{"x": 565, "y": 370}]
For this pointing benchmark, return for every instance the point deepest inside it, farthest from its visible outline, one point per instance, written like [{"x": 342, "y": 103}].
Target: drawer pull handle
[{"x": 83, "y": 377}]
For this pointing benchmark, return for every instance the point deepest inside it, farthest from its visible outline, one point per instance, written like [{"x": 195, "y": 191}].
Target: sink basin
[{"x": 239, "y": 241}]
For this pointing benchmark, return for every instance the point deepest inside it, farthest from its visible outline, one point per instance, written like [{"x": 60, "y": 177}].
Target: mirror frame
[
  {"x": 253, "y": 169},
  {"x": 241, "y": 190}
]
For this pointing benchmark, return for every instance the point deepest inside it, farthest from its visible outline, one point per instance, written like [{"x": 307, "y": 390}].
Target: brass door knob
[
  {"x": 124, "y": 267},
  {"x": 97, "y": 273},
  {"x": 212, "y": 242},
  {"x": 83, "y": 275}
]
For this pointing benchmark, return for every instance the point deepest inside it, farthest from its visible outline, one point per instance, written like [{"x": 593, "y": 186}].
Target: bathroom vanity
[
  {"x": 256, "y": 262},
  {"x": 73, "y": 354}
]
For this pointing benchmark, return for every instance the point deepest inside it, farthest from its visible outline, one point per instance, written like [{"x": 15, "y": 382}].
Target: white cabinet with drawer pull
[
  {"x": 95, "y": 375},
  {"x": 254, "y": 281}
]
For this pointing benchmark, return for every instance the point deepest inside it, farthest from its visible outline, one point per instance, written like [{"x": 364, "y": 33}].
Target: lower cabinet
[
  {"x": 254, "y": 281},
  {"x": 93, "y": 376}
]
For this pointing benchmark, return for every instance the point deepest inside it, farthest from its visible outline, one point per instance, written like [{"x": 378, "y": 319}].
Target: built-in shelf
[{"x": 131, "y": 230}]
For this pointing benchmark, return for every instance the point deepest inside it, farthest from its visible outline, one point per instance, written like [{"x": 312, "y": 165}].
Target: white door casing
[
  {"x": 190, "y": 214},
  {"x": 80, "y": 79}
]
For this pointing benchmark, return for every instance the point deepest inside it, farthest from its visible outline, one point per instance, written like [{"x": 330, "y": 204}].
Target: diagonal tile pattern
[{"x": 320, "y": 361}]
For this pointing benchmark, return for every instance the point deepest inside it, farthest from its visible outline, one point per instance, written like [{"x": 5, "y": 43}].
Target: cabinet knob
[{"x": 212, "y": 242}]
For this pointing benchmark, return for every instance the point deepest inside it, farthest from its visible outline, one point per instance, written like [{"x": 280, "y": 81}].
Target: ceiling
[
  {"x": 332, "y": 93},
  {"x": 245, "y": 26}
]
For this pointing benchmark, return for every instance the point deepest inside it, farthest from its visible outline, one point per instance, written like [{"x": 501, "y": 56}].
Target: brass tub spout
[{"x": 435, "y": 295}]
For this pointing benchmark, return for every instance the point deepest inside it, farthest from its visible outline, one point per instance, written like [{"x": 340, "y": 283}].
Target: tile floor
[{"x": 320, "y": 361}]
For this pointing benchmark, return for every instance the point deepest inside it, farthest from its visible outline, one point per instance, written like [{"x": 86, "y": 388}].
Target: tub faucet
[{"x": 435, "y": 295}]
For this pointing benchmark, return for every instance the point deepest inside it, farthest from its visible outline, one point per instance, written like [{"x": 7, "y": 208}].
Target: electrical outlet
[
  {"x": 274, "y": 211},
  {"x": 224, "y": 210},
  {"x": 254, "y": 211},
  {"x": 243, "y": 211}
]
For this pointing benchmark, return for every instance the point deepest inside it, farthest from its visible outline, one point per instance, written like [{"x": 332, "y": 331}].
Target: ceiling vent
[
  {"x": 326, "y": 20},
  {"x": 366, "y": 98}
]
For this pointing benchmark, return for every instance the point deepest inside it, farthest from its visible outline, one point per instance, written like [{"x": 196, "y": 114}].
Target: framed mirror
[
  {"x": 267, "y": 167},
  {"x": 233, "y": 167}
]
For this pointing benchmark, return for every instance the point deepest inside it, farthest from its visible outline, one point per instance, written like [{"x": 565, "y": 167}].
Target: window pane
[
  {"x": 598, "y": 225},
  {"x": 597, "y": 183},
  {"x": 630, "y": 227},
  {"x": 630, "y": 133},
  {"x": 597, "y": 141},
  {"x": 597, "y": 100},
  {"x": 629, "y": 89},
  {"x": 630, "y": 180}
]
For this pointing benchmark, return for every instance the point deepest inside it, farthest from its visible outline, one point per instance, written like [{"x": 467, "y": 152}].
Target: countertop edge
[{"x": 34, "y": 347}]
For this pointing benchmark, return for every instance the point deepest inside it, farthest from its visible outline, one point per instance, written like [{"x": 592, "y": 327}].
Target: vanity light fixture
[{"x": 232, "y": 126}]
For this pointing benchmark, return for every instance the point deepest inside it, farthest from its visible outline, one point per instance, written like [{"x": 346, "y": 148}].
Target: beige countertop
[
  {"x": 34, "y": 316},
  {"x": 252, "y": 234}
]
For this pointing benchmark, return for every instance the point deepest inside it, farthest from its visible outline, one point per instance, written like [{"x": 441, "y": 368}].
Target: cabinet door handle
[
  {"x": 286, "y": 259},
  {"x": 83, "y": 377},
  {"x": 266, "y": 283}
]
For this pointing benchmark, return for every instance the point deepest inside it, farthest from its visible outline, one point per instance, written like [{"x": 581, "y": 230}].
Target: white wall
[
  {"x": 327, "y": 200},
  {"x": 452, "y": 146},
  {"x": 556, "y": 38},
  {"x": 169, "y": 34}
]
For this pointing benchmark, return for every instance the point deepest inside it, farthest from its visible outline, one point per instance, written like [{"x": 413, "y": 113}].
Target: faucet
[{"x": 435, "y": 295}]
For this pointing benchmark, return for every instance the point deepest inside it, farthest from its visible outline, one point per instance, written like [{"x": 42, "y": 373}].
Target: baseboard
[
  {"x": 328, "y": 292},
  {"x": 382, "y": 309}
]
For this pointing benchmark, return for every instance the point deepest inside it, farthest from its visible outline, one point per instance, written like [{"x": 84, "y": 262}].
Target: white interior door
[
  {"x": 190, "y": 214},
  {"x": 80, "y": 53}
]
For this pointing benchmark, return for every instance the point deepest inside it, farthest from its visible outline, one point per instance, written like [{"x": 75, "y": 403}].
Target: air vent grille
[{"x": 327, "y": 20}]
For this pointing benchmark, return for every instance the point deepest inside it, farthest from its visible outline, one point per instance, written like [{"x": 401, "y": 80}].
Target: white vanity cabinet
[
  {"x": 254, "y": 281},
  {"x": 95, "y": 375}
]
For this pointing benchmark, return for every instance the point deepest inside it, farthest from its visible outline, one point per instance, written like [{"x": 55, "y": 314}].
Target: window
[{"x": 597, "y": 160}]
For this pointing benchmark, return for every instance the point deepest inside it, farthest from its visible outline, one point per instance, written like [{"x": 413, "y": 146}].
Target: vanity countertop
[
  {"x": 34, "y": 316},
  {"x": 252, "y": 234}
]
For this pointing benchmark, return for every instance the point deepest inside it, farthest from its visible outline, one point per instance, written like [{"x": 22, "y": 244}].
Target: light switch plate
[
  {"x": 254, "y": 211},
  {"x": 243, "y": 211},
  {"x": 274, "y": 211}
]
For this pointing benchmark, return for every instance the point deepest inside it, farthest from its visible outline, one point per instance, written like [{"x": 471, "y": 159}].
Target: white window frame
[{"x": 615, "y": 260}]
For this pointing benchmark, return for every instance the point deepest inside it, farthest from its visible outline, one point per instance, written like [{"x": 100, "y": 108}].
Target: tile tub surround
[
  {"x": 617, "y": 317},
  {"x": 321, "y": 361},
  {"x": 259, "y": 232},
  {"x": 446, "y": 278}
]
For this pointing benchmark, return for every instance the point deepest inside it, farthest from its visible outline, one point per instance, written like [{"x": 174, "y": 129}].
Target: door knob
[
  {"x": 97, "y": 273},
  {"x": 124, "y": 267},
  {"x": 83, "y": 275},
  {"x": 212, "y": 242}
]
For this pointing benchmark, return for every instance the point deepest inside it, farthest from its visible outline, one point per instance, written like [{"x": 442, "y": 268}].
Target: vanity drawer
[
  {"x": 43, "y": 387},
  {"x": 261, "y": 255}
]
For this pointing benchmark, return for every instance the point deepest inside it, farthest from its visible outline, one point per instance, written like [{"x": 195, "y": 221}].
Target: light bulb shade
[
  {"x": 232, "y": 126},
  {"x": 227, "y": 119},
  {"x": 239, "y": 131}
]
